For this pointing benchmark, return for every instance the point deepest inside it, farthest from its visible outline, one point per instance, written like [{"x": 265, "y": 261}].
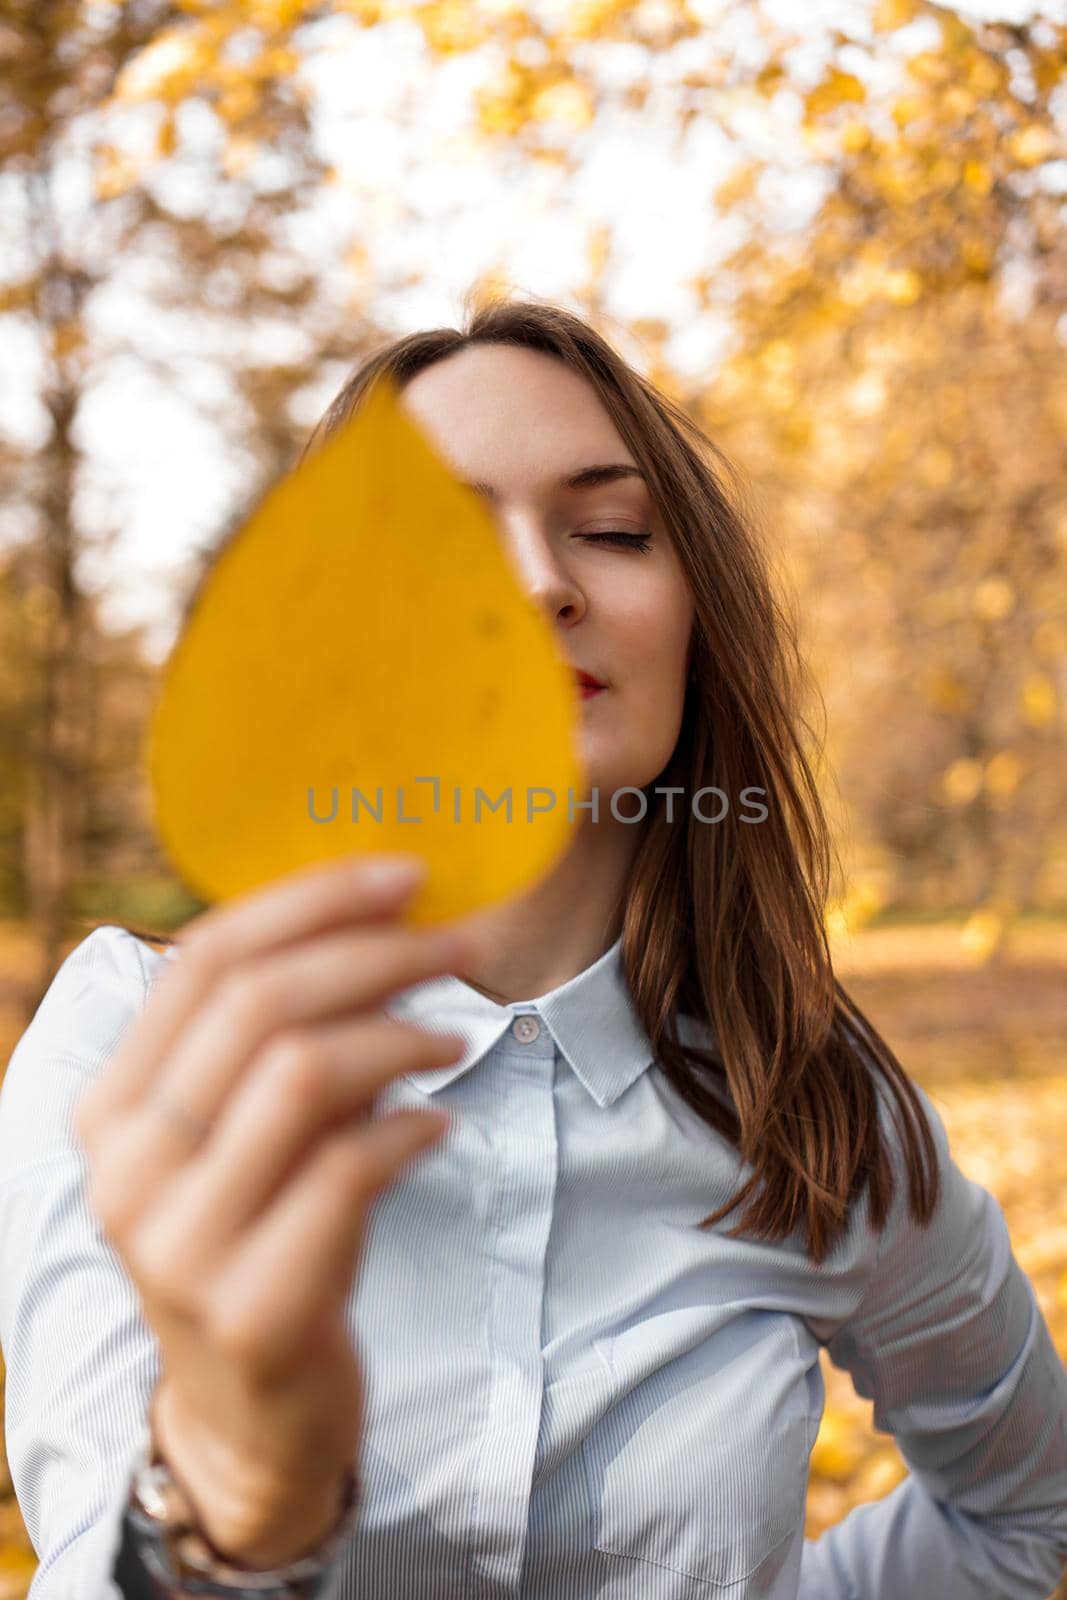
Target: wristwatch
[{"x": 181, "y": 1558}]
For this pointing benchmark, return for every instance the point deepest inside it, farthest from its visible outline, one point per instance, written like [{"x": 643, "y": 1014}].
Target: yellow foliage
[
  {"x": 67, "y": 338},
  {"x": 166, "y": 137},
  {"x": 1002, "y": 774},
  {"x": 237, "y": 102},
  {"x": 979, "y": 256},
  {"x": 994, "y": 599},
  {"x": 1038, "y": 700},
  {"x": 936, "y": 466},
  {"x": 770, "y": 77},
  {"x": 1048, "y": 67},
  {"x": 891, "y": 14},
  {"x": 1050, "y": 638},
  {"x": 961, "y": 781},
  {"x": 585, "y": 19},
  {"x": 906, "y": 109},
  {"x": 838, "y": 1449},
  {"x": 928, "y": 66},
  {"x": 862, "y": 901},
  {"x": 903, "y": 287},
  {"x": 451, "y": 26},
  {"x": 367, "y": 13},
  {"x": 567, "y": 102},
  {"x": 947, "y": 691},
  {"x": 879, "y": 1472},
  {"x": 855, "y": 136},
  {"x": 836, "y": 89},
  {"x": 978, "y": 175},
  {"x": 238, "y": 155},
  {"x": 958, "y": 101},
  {"x": 1031, "y": 145},
  {"x": 116, "y": 173},
  {"x": 981, "y": 934},
  {"x": 273, "y": 14},
  {"x": 738, "y": 186}
]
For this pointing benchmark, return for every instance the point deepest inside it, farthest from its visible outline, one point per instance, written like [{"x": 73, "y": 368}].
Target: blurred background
[{"x": 834, "y": 231}]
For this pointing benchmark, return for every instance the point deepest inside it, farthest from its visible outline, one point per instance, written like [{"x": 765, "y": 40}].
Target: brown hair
[{"x": 726, "y": 924}]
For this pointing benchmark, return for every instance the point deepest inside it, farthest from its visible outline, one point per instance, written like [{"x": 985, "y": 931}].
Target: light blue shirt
[{"x": 573, "y": 1393}]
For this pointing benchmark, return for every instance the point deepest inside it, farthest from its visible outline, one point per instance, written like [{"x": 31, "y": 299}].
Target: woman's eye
[{"x": 632, "y": 541}]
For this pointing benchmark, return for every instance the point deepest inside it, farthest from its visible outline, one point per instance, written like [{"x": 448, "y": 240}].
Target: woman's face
[{"x": 519, "y": 422}]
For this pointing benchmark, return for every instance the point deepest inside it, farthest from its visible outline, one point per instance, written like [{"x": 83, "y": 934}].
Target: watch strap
[{"x": 180, "y": 1560}]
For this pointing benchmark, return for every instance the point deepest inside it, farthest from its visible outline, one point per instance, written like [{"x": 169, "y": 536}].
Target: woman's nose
[{"x": 543, "y": 574}]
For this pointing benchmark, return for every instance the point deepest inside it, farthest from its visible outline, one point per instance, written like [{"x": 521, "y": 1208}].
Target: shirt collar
[{"x": 591, "y": 1018}]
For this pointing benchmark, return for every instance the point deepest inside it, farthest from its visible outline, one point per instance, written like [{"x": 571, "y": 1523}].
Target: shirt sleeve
[
  {"x": 950, "y": 1344},
  {"x": 81, "y": 1361}
]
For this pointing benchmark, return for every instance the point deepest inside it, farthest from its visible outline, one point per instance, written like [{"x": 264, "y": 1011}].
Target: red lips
[{"x": 588, "y": 681}]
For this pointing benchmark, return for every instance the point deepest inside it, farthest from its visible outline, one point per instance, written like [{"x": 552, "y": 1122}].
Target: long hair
[{"x": 724, "y": 924}]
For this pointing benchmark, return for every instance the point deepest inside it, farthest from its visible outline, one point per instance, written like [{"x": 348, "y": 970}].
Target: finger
[
  {"x": 223, "y": 1041},
  {"x": 340, "y": 974},
  {"x": 292, "y": 908},
  {"x": 270, "y": 1293},
  {"x": 270, "y": 1126}
]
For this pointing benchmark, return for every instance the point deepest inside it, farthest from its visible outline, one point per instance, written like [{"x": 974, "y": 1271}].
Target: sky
[{"x": 159, "y": 478}]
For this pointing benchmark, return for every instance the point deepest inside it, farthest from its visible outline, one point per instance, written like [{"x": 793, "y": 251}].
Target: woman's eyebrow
[{"x": 585, "y": 478}]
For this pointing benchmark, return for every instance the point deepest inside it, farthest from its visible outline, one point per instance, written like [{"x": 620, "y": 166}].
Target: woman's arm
[
  {"x": 950, "y": 1344},
  {"x": 81, "y": 1361}
]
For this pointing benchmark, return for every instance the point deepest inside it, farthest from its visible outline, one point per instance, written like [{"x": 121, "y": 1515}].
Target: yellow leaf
[
  {"x": 981, "y": 934},
  {"x": 116, "y": 173},
  {"x": 835, "y": 89},
  {"x": 1047, "y": 67},
  {"x": 1002, "y": 774},
  {"x": 891, "y": 14},
  {"x": 1031, "y": 145},
  {"x": 355, "y": 648},
  {"x": 978, "y": 175},
  {"x": 936, "y": 465},
  {"x": 994, "y": 599},
  {"x": 1039, "y": 700},
  {"x": 737, "y": 185},
  {"x": 166, "y": 138},
  {"x": 855, "y": 136},
  {"x": 769, "y": 78},
  {"x": 451, "y": 27},
  {"x": 905, "y": 110},
  {"x": 903, "y": 288},
  {"x": 961, "y": 781},
  {"x": 566, "y": 102},
  {"x": 237, "y": 102},
  {"x": 946, "y": 691},
  {"x": 838, "y": 1448},
  {"x": 1050, "y": 638},
  {"x": 978, "y": 256},
  {"x": 238, "y": 155}
]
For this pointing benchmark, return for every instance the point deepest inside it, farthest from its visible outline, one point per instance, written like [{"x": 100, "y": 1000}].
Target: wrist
[
  {"x": 251, "y": 1522},
  {"x": 170, "y": 1544},
  {"x": 258, "y": 1538}
]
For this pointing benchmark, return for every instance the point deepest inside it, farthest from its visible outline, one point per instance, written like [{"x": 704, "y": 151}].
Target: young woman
[{"x": 519, "y": 1352}]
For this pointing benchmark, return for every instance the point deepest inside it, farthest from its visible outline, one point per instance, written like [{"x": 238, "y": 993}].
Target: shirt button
[{"x": 526, "y": 1029}]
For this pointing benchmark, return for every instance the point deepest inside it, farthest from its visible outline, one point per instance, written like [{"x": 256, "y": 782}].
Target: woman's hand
[{"x": 243, "y": 1243}]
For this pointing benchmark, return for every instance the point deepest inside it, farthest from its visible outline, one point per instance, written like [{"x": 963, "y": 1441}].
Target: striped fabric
[{"x": 573, "y": 1393}]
